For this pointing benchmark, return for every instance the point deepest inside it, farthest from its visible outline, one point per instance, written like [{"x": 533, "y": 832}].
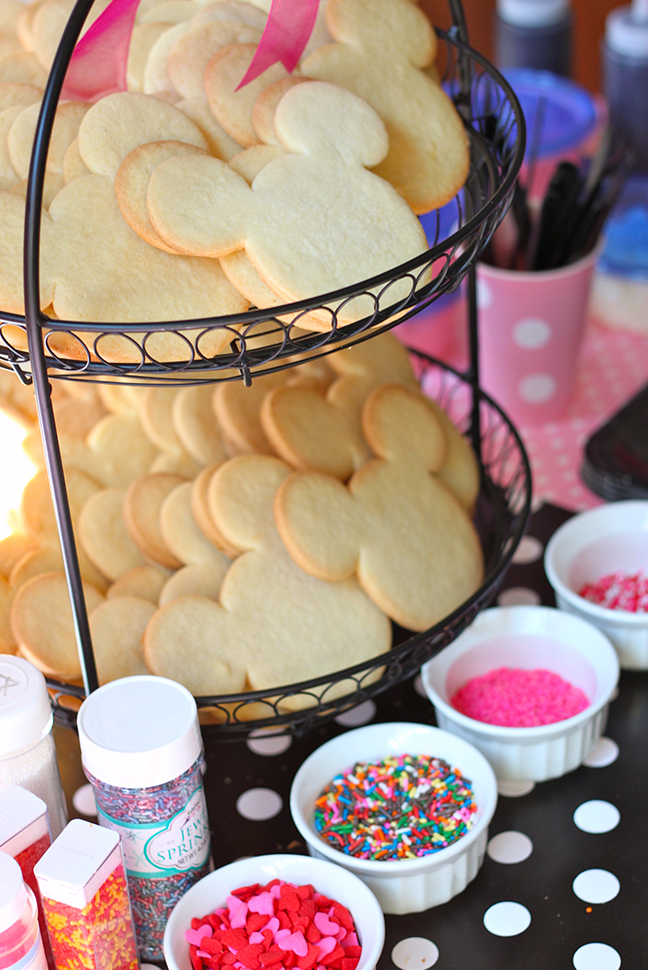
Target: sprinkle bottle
[
  {"x": 142, "y": 752},
  {"x": 21, "y": 946},
  {"x": 83, "y": 888},
  {"x": 27, "y": 752},
  {"x": 25, "y": 835}
]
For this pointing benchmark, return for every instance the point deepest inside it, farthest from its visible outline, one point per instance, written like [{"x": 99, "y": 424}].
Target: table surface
[{"x": 561, "y": 923}]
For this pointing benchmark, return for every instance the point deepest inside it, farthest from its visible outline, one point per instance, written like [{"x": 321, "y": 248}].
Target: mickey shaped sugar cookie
[
  {"x": 272, "y": 619},
  {"x": 382, "y": 47},
  {"x": 193, "y": 51},
  {"x": 318, "y": 201},
  {"x": 407, "y": 539},
  {"x": 120, "y": 279}
]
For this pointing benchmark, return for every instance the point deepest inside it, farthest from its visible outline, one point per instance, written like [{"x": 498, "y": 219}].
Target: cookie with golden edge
[
  {"x": 177, "y": 462},
  {"x": 24, "y": 23},
  {"x": 120, "y": 278},
  {"x": 183, "y": 536},
  {"x": 142, "y": 505},
  {"x": 131, "y": 184},
  {"x": 381, "y": 49},
  {"x": 17, "y": 400},
  {"x": 194, "y": 579},
  {"x": 8, "y": 175},
  {"x": 202, "y": 514},
  {"x": 7, "y": 641},
  {"x": 117, "y": 626},
  {"x": 233, "y": 106},
  {"x": 231, "y": 11},
  {"x": 144, "y": 582},
  {"x": 308, "y": 627},
  {"x": 220, "y": 144},
  {"x": 155, "y": 410},
  {"x": 12, "y": 548},
  {"x": 396, "y": 527},
  {"x": 37, "y": 510},
  {"x": 460, "y": 471},
  {"x": 104, "y": 536},
  {"x": 266, "y": 104},
  {"x": 76, "y": 417},
  {"x": 41, "y": 559},
  {"x": 120, "y": 123},
  {"x": 238, "y": 410},
  {"x": 42, "y": 625},
  {"x": 51, "y": 188},
  {"x": 49, "y": 22},
  {"x": 20, "y": 140},
  {"x": 193, "y": 51},
  {"x": 309, "y": 433},
  {"x": 195, "y": 424},
  {"x": 156, "y": 80},
  {"x": 12, "y": 94},
  {"x": 142, "y": 40},
  {"x": 357, "y": 226},
  {"x": 22, "y": 69},
  {"x": 73, "y": 165}
]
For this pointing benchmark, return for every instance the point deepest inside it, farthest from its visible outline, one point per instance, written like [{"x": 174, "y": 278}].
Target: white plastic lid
[
  {"x": 23, "y": 819},
  {"x": 25, "y": 712},
  {"x": 626, "y": 30},
  {"x": 533, "y": 13},
  {"x": 139, "y": 731},
  {"x": 13, "y": 893},
  {"x": 78, "y": 863}
]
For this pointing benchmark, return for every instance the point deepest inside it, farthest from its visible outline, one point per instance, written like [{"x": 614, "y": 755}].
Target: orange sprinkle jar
[{"x": 83, "y": 887}]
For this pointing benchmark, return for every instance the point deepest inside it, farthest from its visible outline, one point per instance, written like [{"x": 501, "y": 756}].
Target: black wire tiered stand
[{"x": 262, "y": 341}]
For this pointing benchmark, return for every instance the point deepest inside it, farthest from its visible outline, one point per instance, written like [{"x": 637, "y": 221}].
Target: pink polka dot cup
[
  {"x": 527, "y": 638},
  {"x": 530, "y": 329}
]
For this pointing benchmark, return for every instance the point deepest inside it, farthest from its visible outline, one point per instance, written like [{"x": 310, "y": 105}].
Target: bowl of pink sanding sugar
[
  {"x": 513, "y": 697},
  {"x": 597, "y": 563},
  {"x": 529, "y": 686}
]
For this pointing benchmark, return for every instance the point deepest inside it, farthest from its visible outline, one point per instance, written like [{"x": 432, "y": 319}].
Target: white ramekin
[
  {"x": 589, "y": 546},
  {"x": 404, "y": 885},
  {"x": 212, "y": 891},
  {"x": 510, "y": 636}
]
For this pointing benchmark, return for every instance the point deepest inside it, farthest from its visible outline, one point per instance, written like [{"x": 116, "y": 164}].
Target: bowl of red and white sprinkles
[
  {"x": 597, "y": 563},
  {"x": 529, "y": 686},
  {"x": 276, "y": 912},
  {"x": 404, "y": 806}
]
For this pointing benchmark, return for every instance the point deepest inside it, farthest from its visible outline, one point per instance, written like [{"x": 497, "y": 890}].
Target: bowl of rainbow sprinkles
[{"x": 404, "y": 806}]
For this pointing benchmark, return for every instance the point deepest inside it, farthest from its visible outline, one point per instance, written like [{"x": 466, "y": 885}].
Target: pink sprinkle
[
  {"x": 195, "y": 937},
  {"x": 326, "y": 926},
  {"x": 519, "y": 698},
  {"x": 619, "y": 591},
  {"x": 325, "y": 946},
  {"x": 262, "y": 903},
  {"x": 237, "y": 911}
]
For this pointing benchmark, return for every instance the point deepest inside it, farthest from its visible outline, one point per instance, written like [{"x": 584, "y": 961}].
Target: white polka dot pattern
[
  {"x": 596, "y": 886},
  {"x": 507, "y": 919},
  {"x": 531, "y": 333},
  {"x": 537, "y": 388},
  {"x": 415, "y": 953},
  {"x": 357, "y": 716},
  {"x": 515, "y": 789},
  {"x": 529, "y": 550},
  {"x": 84, "y": 801},
  {"x": 259, "y": 804},
  {"x": 509, "y": 848},
  {"x": 604, "y": 753},
  {"x": 596, "y": 816},
  {"x": 596, "y": 956},
  {"x": 268, "y": 741},
  {"x": 518, "y": 596}
]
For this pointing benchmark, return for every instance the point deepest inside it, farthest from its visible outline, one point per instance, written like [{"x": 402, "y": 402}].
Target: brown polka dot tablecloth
[{"x": 565, "y": 880}]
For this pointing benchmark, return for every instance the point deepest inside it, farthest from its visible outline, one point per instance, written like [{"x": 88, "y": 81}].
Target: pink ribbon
[
  {"x": 98, "y": 65},
  {"x": 287, "y": 31}
]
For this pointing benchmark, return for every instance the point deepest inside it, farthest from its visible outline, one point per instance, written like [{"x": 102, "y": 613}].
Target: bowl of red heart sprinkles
[
  {"x": 404, "y": 806},
  {"x": 281, "y": 912},
  {"x": 597, "y": 563},
  {"x": 529, "y": 686}
]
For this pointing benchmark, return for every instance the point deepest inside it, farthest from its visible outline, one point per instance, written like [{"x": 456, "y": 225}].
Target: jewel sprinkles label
[{"x": 166, "y": 848}]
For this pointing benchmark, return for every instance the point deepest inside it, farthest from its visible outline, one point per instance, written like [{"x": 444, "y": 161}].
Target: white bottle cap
[
  {"x": 626, "y": 30},
  {"x": 23, "y": 819},
  {"x": 78, "y": 863},
  {"x": 139, "y": 731},
  {"x": 533, "y": 13},
  {"x": 25, "y": 712},
  {"x": 13, "y": 893}
]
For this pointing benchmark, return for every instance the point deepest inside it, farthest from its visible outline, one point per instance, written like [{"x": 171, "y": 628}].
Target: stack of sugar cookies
[
  {"x": 237, "y": 538},
  {"x": 190, "y": 198}
]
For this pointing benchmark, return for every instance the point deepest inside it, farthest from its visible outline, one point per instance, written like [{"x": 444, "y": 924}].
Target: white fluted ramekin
[
  {"x": 527, "y": 637},
  {"x": 403, "y": 885},
  {"x": 594, "y": 544},
  {"x": 211, "y": 892}
]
